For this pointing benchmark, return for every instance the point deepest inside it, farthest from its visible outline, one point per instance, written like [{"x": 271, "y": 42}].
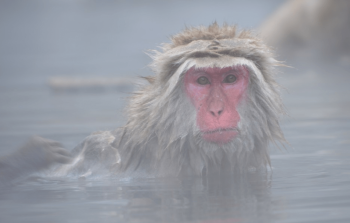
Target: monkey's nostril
[{"x": 216, "y": 114}]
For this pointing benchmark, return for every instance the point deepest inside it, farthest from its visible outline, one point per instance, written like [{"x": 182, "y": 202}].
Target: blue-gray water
[{"x": 40, "y": 40}]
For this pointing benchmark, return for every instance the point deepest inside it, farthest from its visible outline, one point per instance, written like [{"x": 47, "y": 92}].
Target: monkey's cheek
[{"x": 221, "y": 137}]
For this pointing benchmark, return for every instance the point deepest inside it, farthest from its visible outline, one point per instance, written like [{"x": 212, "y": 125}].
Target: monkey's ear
[{"x": 150, "y": 79}]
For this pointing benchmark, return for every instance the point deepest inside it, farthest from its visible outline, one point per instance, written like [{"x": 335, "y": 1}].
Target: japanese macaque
[{"x": 212, "y": 106}]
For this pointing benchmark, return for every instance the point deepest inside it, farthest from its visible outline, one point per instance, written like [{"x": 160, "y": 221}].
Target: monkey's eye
[
  {"x": 230, "y": 79},
  {"x": 202, "y": 80}
]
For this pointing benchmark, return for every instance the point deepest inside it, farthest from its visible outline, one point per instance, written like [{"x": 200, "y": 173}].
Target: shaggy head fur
[{"x": 161, "y": 135}]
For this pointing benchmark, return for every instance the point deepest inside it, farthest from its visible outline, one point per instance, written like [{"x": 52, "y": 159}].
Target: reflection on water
[
  {"x": 233, "y": 199},
  {"x": 309, "y": 181}
]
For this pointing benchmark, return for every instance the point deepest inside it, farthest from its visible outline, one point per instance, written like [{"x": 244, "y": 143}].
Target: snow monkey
[{"x": 212, "y": 106}]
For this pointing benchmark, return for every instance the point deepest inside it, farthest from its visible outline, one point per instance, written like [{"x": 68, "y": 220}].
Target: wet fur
[{"x": 161, "y": 137}]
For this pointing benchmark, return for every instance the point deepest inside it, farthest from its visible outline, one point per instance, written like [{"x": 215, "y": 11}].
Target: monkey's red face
[{"x": 216, "y": 93}]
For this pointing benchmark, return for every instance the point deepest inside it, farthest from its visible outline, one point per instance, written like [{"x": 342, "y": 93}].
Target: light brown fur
[{"x": 310, "y": 31}]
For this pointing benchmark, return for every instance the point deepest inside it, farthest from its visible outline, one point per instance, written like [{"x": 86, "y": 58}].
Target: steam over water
[{"x": 97, "y": 49}]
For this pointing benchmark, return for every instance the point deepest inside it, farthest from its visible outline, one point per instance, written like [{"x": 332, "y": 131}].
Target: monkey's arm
[
  {"x": 37, "y": 154},
  {"x": 95, "y": 155}
]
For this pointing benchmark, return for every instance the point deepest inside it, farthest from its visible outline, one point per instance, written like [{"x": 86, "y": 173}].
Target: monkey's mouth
[
  {"x": 220, "y": 130},
  {"x": 220, "y": 135}
]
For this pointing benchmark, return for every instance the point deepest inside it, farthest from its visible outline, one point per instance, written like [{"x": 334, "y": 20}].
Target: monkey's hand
[{"x": 37, "y": 154}]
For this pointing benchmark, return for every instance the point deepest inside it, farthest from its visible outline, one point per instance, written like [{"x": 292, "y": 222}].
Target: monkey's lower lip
[
  {"x": 220, "y": 136},
  {"x": 220, "y": 130}
]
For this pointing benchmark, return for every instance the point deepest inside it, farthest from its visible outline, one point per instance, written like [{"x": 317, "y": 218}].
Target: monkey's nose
[{"x": 216, "y": 108}]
